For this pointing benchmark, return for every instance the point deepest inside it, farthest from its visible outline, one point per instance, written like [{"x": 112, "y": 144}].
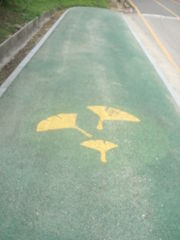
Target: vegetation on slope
[{"x": 14, "y": 13}]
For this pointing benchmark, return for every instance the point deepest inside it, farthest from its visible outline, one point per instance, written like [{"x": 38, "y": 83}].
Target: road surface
[
  {"x": 155, "y": 25},
  {"x": 89, "y": 139},
  {"x": 164, "y": 17}
]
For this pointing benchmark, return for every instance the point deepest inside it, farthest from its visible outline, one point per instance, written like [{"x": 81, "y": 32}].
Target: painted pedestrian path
[{"x": 89, "y": 139}]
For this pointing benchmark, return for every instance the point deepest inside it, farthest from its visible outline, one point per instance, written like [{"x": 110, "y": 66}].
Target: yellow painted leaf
[
  {"x": 60, "y": 121},
  {"x": 111, "y": 114},
  {"x": 101, "y": 146}
]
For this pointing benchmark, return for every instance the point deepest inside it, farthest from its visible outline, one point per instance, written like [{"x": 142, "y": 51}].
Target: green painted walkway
[{"x": 54, "y": 188}]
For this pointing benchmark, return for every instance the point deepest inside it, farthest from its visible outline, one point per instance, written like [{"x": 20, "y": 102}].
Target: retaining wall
[{"x": 10, "y": 47}]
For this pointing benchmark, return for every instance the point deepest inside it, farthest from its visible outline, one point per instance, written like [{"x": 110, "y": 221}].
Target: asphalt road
[
  {"x": 89, "y": 139},
  {"x": 163, "y": 8},
  {"x": 164, "y": 17},
  {"x": 156, "y": 26}
]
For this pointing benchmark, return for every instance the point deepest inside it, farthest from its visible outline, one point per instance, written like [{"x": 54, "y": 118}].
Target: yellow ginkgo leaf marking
[
  {"x": 100, "y": 146},
  {"x": 60, "y": 121},
  {"x": 111, "y": 114}
]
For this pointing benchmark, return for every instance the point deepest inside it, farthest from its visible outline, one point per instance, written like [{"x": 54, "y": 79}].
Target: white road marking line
[
  {"x": 160, "y": 16},
  {"x": 166, "y": 8}
]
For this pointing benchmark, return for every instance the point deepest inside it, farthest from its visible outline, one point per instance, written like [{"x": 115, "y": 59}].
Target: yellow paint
[
  {"x": 60, "y": 121},
  {"x": 101, "y": 146},
  {"x": 167, "y": 9},
  {"x": 159, "y": 43},
  {"x": 111, "y": 114}
]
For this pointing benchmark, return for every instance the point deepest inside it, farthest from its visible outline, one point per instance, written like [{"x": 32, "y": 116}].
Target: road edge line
[
  {"x": 161, "y": 75},
  {"x": 24, "y": 62},
  {"x": 167, "y": 9},
  {"x": 160, "y": 17}
]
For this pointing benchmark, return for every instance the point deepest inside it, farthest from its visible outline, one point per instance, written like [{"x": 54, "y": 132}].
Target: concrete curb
[{"x": 10, "y": 47}]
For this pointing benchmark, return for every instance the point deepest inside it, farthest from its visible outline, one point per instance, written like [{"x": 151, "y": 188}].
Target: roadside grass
[
  {"x": 18, "y": 12},
  {"x": 91, "y": 3}
]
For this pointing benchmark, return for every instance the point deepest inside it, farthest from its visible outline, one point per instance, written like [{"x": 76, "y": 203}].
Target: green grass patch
[
  {"x": 21, "y": 11},
  {"x": 91, "y": 3}
]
